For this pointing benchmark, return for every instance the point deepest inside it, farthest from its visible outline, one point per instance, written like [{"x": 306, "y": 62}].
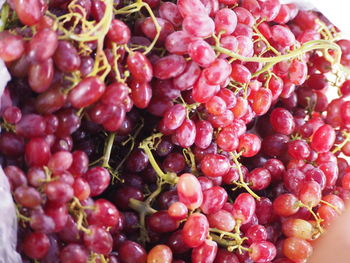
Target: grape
[
  {"x": 119, "y": 32},
  {"x": 285, "y": 205},
  {"x": 98, "y": 179},
  {"x": 160, "y": 253},
  {"x": 187, "y": 7},
  {"x": 140, "y": 67},
  {"x": 37, "y": 152},
  {"x": 11, "y": 46},
  {"x": 41, "y": 222},
  {"x": 36, "y": 245},
  {"x": 204, "y": 131},
  {"x": 174, "y": 117},
  {"x": 178, "y": 210},
  {"x": 256, "y": 233},
  {"x": 141, "y": 94},
  {"x": 31, "y": 125},
  {"x": 224, "y": 256},
  {"x": 27, "y": 196},
  {"x": 74, "y": 253},
  {"x": 66, "y": 57},
  {"x": 205, "y": 252},
  {"x": 243, "y": 207},
  {"x": 105, "y": 214},
  {"x": 174, "y": 162},
  {"x": 149, "y": 29},
  {"x": 162, "y": 222},
  {"x": 176, "y": 243},
  {"x": 189, "y": 191},
  {"x": 282, "y": 121},
  {"x": 50, "y": 101},
  {"x": 29, "y": 12},
  {"x": 88, "y": 91},
  {"x": 169, "y": 66},
  {"x": 225, "y": 21},
  {"x": 261, "y": 100},
  {"x": 58, "y": 192},
  {"x": 131, "y": 252},
  {"x": 214, "y": 165},
  {"x": 186, "y": 134},
  {"x": 43, "y": 45},
  {"x": 217, "y": 72},
  {"x": 11, "y": 144},
  {"x": 198, "y": 25},
  {"x": 59, "y": 214},
  {"x": 310, "y": 193},
  {"x": 240, "y": 73},
  {"x": 250, "y": 144},
  {"x": 81, "y": 188},
  {"x": 201, "y": 52},
  {"x": 170, "y": 12},
  {"x": 296, "y": 249},
  {"x": 222, "y": 220},
  {"x": 195, "y": 230},
  {"x": 323, "y": 139},
  {"x": 297, "y": 228},
  {"x": 262, "y": 251},
  {"x": 282, "y": 35},
  {"x": 99, "y": 240},
  {"x": 178, "y": 42},
  {"x": 214, "y": 199},
  {"x": 259, "y": 178}
]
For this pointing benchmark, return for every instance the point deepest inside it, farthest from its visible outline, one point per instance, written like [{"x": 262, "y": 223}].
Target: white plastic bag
[
  {"x": 8, "y": 219},
  {"x": 337, "y": 13}
]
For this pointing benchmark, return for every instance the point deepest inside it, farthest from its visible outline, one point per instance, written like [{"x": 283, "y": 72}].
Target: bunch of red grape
[{"x": 152, "y": 131}]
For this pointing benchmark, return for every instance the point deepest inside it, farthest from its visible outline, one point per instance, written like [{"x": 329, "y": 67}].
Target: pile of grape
[{"x": 162, "y": 131}]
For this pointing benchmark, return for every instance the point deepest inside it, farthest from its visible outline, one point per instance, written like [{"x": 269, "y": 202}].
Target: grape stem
[
  {"x": 190, "y": 160},
  {"x": 136, "y": 7},
  {"x": 108, "y": 149},
  {"x": 77, "y": 210},
  {"x": 90, "y": 32},
  {"x": 229, "y": 240},
  {"x": 270, "y": 61},
  {"x": 146, "y": 145},
  {"x": 132, "y": 139},
  {"x": 262, "y": 37},
  {"x": 340, "y": 146},
  {"x": 317, "y": 218},
  {"x": 144, "y": 208},
  {"x": 241, "y": 182},
  {"x": 306, "y": 47},
  {"x": 330, "y": 205},
  {"x": 4, "y": 16},
  {"x": 21, "y": 217}
]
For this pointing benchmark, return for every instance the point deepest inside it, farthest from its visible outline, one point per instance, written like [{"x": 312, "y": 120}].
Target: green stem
[
  {"x": 317, "y": 218},
  {"x": 144, "y": 208},
  {"x": 132, "y": 138},
  {"x": 229, "y": 244},
  {"x": 108, "y": 150},
  {"x": 308, "y": 46},
  {"x": 190, "y": 160},
  {"x": 261, "y": 36},
  {"x": 4, "y": 16},
  {"x": 340, "y": 146},
  {"x": 330, "y": 205},
  {"x": 170, "y": 178},
  {"x": 222, "y": 233},
  {"x": 241, "y": 179},
  {"x": 136, "y": 7}
]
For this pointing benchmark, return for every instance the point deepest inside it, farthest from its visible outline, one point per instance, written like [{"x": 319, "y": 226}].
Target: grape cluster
[{"x": 153, "y": 131}]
